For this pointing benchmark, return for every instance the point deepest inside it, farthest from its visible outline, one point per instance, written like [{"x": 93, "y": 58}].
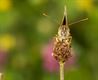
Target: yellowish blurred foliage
[
  {"x": 86, "y": 5},
  {"x": 41, "y": 27},
  {"x": 5, "y": 5},
  {"x": 7, "y": 41},
  {"x": 37, "y": 2}
]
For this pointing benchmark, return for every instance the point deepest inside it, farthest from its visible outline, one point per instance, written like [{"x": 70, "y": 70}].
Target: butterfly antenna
[
  {"x": 44, "y": 14},
  {"x": 78, "y": 21}
]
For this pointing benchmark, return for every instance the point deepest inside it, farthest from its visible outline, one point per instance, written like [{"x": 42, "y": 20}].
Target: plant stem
[
  {"x": 61, "y": 71},
  {"x": 1, "y": 76}
]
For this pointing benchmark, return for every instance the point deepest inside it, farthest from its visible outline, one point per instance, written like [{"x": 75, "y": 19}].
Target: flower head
[{"x": 49, "y": 63}]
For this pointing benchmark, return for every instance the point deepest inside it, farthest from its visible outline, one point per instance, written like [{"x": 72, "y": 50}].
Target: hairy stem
[{"x": 61, "y": 71}]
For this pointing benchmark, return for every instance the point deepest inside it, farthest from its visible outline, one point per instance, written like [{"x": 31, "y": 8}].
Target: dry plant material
[
  {"x": 62, "y": 41},
  {"x": 62, "y": 44}
]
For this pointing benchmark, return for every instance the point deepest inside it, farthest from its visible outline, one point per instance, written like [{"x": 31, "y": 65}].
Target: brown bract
[{"x": 61, "y": 50}]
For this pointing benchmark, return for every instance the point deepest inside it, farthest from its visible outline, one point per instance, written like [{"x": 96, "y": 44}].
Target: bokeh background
[{"x": 26, "y": 39}]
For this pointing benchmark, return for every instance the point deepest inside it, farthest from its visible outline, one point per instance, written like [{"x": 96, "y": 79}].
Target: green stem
[{"x": 61, "y": 71}]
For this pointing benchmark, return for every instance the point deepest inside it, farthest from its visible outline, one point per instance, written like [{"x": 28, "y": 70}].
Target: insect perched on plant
[{"x": 62, "y": 43}]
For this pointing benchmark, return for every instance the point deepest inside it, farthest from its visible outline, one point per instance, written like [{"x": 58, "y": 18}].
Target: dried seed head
[
  {"x": 62, "y": 42},
  {"x": 61, "y": 50}
]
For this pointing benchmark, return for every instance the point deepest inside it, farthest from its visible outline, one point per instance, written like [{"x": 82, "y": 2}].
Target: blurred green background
[{"x": 26, "y": 38}]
